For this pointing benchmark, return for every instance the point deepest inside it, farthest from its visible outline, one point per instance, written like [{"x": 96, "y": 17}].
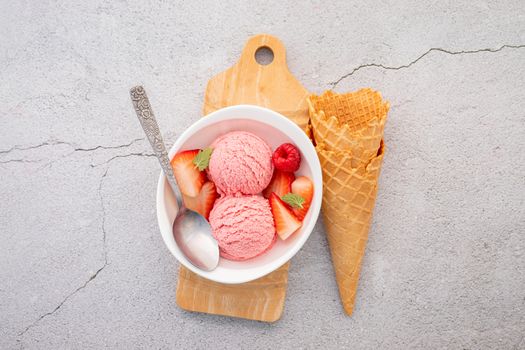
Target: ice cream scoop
[
  {"x": 241, "y": 163},
  {"x": 243, "y": 226}
]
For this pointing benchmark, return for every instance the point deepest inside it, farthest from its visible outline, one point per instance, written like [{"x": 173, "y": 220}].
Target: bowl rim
[{"x": 221, "y": 115}]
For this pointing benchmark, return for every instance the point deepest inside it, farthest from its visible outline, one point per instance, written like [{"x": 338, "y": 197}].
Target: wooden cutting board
[{"x": 274, "y": 87}]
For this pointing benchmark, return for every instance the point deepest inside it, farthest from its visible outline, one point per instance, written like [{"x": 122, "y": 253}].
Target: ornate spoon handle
[{"x": 149, "y": 124}]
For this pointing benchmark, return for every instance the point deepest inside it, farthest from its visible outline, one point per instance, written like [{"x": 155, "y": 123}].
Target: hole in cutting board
[{"x": 264, "y": 55}]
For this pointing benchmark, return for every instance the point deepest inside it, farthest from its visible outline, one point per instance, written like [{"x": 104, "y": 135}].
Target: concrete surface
[{"x": 82, "y": 264}]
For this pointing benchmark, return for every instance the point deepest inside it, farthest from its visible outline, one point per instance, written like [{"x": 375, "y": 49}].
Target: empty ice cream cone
[
  {"x": 353, "y": 121},
  {"x": 348, "y": 131}
]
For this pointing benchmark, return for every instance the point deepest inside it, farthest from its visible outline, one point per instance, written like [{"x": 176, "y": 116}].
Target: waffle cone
[
  {"x": 348, "y": 132},
  {"x": 351, "y": 122},
  {"x": 348, "y": 201}
]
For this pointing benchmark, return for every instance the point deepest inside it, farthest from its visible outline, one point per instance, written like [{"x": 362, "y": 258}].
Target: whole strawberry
[{"x": 286, "y": 158}]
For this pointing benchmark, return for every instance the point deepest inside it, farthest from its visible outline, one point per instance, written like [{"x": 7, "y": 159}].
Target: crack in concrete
[
  {"x": 85, "y": 284},
  {"x": 108, "y": 147},
  {"x": 136, "y": 154},
  {"x": 378, "y": 65},
  {"x": 41, "y": 317},
  {"x": 53, "y": 143},
  {"x": 104, "y": 236},
  {"x": 19, "y": 161},
  {"x": 73, "y": 146},
  {"x": 103, "y": 226},
  {"x": 25, "y": 148}
]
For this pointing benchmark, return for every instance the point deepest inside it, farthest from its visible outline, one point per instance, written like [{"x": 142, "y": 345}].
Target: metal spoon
[{"x": 190, "y": 229}]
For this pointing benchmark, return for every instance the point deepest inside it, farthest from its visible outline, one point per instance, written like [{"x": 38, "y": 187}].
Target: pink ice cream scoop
[
  {"x": 243, "y": 226},
  {"x": 241, "y": 163}
]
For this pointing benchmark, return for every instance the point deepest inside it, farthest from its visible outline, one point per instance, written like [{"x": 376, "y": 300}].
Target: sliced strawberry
[
  {"x": 285, "y": 221},
  {"x": 189, "y": 178},
  {"x": 203, "y": 203},
  {"x": 281, "y": 184},
  {"x": 303, "y": 187}
]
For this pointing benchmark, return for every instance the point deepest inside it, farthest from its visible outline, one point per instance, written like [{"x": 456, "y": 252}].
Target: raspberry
[{"x": 286, "y": 158}]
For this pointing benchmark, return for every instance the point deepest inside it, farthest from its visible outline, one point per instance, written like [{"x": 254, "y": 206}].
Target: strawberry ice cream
[
  {"x": 243, "y": 226},
  {"x": 256, "y": 203},
  {"x": 241, "y": 164}
]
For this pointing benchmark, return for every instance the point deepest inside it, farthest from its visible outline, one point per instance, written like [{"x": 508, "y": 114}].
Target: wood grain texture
[
  {"x": 248, "y": 82},
  {"x": 274, "y": 87},
  {"x": 261, "y": 300}
]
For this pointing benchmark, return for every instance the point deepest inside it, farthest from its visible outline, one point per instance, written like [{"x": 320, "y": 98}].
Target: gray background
[{"x": 82, "y": 263}]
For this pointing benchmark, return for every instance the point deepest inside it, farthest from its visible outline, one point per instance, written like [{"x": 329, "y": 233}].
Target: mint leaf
[
  {"x": 294, "y": 200},
  {"x": 202, "y": 159}
]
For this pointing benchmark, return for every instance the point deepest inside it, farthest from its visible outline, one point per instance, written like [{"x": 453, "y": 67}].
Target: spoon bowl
[{"x": 192, "y": 233}]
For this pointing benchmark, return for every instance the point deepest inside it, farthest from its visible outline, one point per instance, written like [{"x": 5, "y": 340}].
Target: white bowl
[{"x": 275, "y": 129}]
